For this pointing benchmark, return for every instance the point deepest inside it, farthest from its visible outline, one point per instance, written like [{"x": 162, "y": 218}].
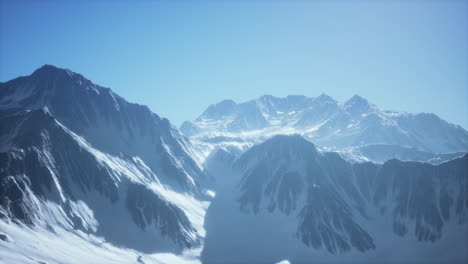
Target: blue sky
[{"x": 178, "y": 57}]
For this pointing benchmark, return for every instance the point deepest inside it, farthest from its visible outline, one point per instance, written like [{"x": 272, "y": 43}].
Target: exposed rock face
[
  {"x": 148, "y": 209},
  {"x": 427, "y": 195}
]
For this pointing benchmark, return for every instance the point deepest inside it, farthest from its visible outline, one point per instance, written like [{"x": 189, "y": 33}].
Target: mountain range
[
  {"x": 87, "y": 177},
  {"x": 353, "y": 127}
]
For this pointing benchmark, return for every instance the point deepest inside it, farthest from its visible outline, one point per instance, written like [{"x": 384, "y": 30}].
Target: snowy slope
[
  {"x": 39, "y": 245},
  {"x": 286, "y": 199},
  {"x": 325, "y": 122},
  {"x": 76, "y": 157}
]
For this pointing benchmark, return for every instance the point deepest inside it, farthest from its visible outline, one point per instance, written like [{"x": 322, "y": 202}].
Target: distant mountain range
[
  {"x": 87, "y": 177},
  {"x": 352, "y": 125}
]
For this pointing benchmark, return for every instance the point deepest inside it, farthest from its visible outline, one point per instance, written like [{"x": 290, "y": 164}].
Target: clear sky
[{"x": 178, "y": 57}]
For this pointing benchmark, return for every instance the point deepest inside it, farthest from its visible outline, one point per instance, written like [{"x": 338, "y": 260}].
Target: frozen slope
[
  {"x": 324, "y": 121},
  {"x": 285, "y": 199}
]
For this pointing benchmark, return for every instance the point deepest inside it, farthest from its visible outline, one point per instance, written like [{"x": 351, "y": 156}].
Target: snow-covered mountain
[
  {"x": 286, "y": 199},
  {"x": 324, "y": 121},
  {"x": 105, "y": 120},
  {"x": 77, "y": 158},
  {"x": 87, "y": 177}
]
